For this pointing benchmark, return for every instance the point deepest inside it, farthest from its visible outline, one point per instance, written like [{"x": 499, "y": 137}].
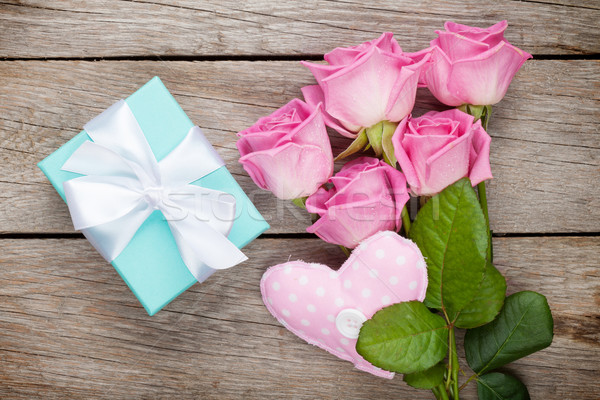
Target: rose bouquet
[{"x": 367, "y": 93}]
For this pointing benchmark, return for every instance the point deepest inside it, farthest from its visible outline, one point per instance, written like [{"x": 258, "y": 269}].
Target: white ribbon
[{"x": 124, "y": 184}]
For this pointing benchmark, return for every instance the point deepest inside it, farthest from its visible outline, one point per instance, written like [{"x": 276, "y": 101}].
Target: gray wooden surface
[
  {"x": 76, "y": 28},
  {"x": 72, "y": 328},
  {"x": 544, "y": 158},
  {"x": 69, "y": 327}
]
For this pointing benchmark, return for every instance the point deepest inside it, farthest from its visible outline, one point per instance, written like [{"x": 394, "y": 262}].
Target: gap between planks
[
  {"x": 251, "y": 57},
  {"x": 291, "y": 235}
]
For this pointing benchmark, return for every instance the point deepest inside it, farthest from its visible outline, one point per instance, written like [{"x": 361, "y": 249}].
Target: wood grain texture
[
  {"x": 545, "y": 150},
  {"x": 116, "y": 28},
  {"x": 71, "y": 328}
]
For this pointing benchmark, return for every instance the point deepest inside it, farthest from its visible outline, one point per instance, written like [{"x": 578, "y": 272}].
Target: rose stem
[
  {"x": 405, "y": 220},
  {"x": 454, "y": 365},
  {"x": 484, "y": 208},
  {"x": 467, "y": 382},
  {"x": 345, "y": 250},
  {"x": 440, "y": 392}
]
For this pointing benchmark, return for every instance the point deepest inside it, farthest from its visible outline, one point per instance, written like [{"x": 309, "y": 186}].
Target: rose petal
[
  {"x": 418, "y": 56},
  {"x": 491, "y": 36},
  {"x": 284, "y": 170},
  {"x": 480, "y": 164},
  {"x": 359, "y": 94},
  {"x": 484, "y": 79},
  {"x": 347, "y": 55},
  {"x": 419, "y": 149},
  {"x": 368, "y": 184},
  {"x": 348, "y": 226},
  {"x": 403, "y": 159},
  {"x": 458, "y": 47},
  {"x": 440, "y": 127},
  {"x": 402, "y": 98},
  {"x": 260, "y": 141},
  {"x": 397, "y": 183},
  {"x": 361, "y": 163},
  {"x": 315, "y": 203},
  {"x": 312, "y": 131},
  {"x": 321, "y": 71},
  {"x": 447, "y": 165},
  {"x": 436, "y": 76},
  {"x": 313, "y": 95}
]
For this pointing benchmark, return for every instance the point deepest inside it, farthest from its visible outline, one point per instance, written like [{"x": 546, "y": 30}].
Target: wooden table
[{"x": 70, "y": 327}]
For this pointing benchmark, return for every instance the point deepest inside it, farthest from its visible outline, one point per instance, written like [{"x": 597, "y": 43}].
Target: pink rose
[
  {"x": 365, "y": 197},
  {"x": 288, "y": 152},
  {"x": 365, "y": 84},
  {"x": 439, "y": 148},
  {"x": 471, "y": 65}
]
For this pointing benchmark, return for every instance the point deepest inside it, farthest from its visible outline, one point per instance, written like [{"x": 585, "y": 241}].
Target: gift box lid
[{"x": 151, "y": 264}]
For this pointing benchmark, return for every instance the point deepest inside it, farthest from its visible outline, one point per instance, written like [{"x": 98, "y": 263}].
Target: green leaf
[
  {"x": 404, "y": 337},
  {"x": 523, "y": 326},
  {"x": 487, "y": 303},
  {"x": 451, "y": 232},
  {"x": 497, "y": 386},
  {"x": 427, "y": 379},
  {"x": 389, "y": 128},
  {"x": 357, "y": 145}
]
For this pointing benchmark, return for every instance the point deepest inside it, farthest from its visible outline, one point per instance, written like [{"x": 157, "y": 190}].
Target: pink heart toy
[{"x": 327, "y": 307}]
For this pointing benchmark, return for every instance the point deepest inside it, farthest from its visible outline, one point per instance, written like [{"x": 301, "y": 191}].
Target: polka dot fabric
[{"x": 327, "y": 308}]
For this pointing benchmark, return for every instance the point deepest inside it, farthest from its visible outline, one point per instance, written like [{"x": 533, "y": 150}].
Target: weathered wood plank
[
  {"x": 545, "y": 152},
  {"x": 74, "y": 28},
  {"x": 71, "y": 328}
]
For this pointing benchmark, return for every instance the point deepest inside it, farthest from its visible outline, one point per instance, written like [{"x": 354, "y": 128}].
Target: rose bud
[
  {"x": 365, "y": 84},
  {"x": 439, "y": 148},
  {"x": 288, "y": 152},
  {"x": 365, "y": 197},
  {"x": 470, "y": 65}
]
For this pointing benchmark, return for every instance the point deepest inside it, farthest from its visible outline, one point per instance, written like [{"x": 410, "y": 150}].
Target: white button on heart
[{"x": 349, "y": 321}]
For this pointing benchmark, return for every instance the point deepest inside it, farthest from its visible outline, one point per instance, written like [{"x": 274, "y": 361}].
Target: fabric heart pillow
[{"x": 327, "y": 307}]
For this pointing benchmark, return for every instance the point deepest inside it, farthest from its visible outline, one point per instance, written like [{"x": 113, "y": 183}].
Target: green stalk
[
  {"x": 455, "y": 367},
  {"x": 483, "y": 201},
  {"x": 450, "y": 358},
  {"x": 464, "y": 385},
  {"x": 484, "y": 113},
  {"x": 445, "y": 395},
  {"x": 451, "y": 383},
  {"x": 484, "y": 208},
  {"x": 440, "y": 392},
  {"x": 345, "y": 250},
  {"x": 405, "y": 219}
]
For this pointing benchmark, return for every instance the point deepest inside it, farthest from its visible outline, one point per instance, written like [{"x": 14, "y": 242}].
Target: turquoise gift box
[{"x": 151, "y": 264}]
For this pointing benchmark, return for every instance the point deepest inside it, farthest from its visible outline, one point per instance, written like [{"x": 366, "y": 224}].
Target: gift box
[{"x": 151, "y": 263}]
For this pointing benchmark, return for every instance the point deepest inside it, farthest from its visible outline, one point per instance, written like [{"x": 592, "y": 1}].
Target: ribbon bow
[{"x": 124, "y": 184}]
